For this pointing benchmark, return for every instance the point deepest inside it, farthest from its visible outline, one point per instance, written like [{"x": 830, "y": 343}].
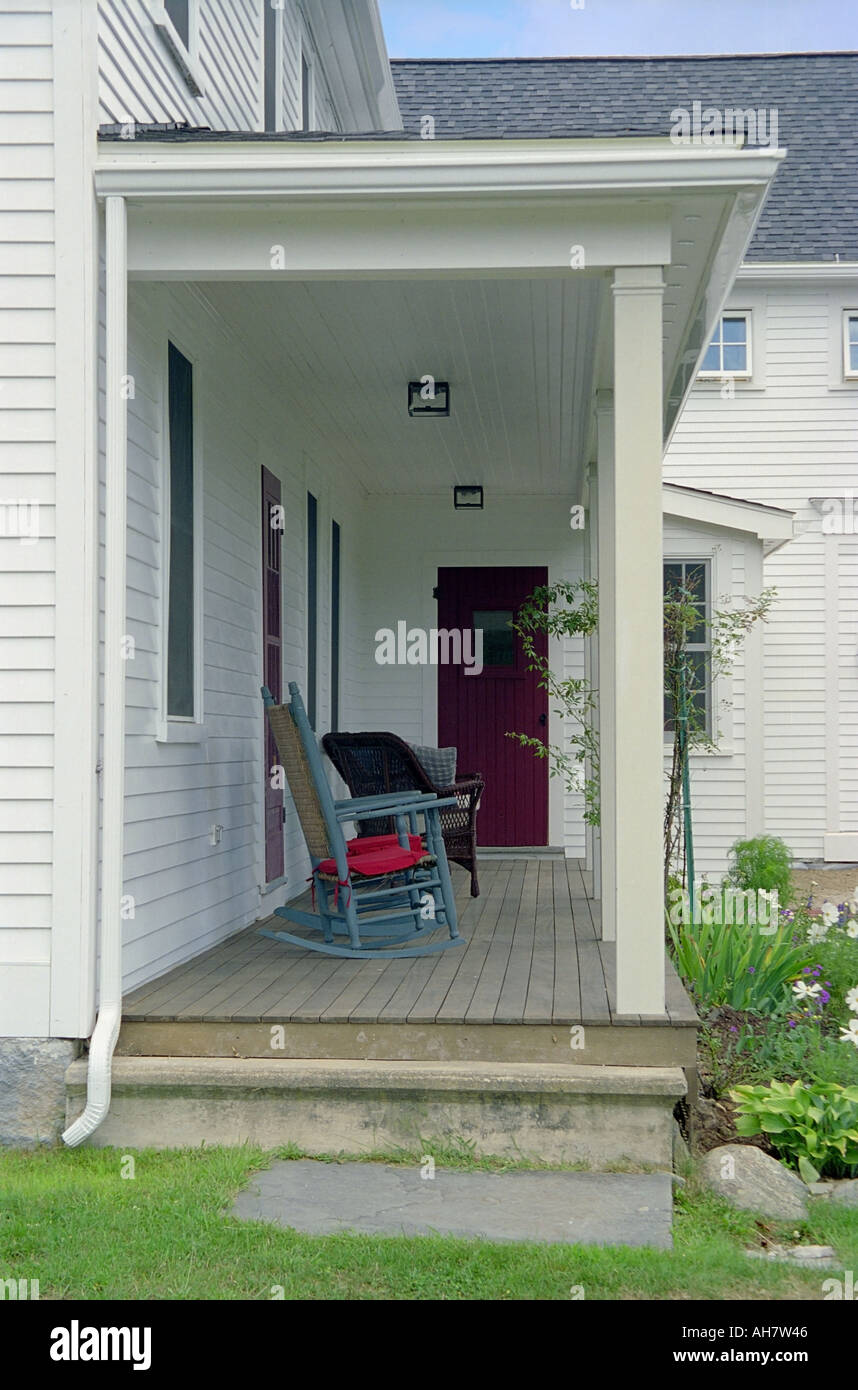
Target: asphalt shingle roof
[{"x": 812, "y": 210}]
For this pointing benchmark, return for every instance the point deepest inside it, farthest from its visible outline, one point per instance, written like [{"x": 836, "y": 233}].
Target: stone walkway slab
[{"x": 377, "y": 1199}]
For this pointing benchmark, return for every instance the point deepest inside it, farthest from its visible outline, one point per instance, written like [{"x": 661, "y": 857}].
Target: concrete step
[{"x": 600, "y": 1116}]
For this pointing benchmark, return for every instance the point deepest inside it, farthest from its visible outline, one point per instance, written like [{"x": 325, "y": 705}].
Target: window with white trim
[
  {"x": 177, "y": 25},
  {"x": 850, "y": 344},
  {"x": 729, "y": 353},
  {"x": 691, "y": 580}
]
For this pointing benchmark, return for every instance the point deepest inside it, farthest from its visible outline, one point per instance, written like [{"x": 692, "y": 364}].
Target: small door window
[{"x": 498, "y": 636}]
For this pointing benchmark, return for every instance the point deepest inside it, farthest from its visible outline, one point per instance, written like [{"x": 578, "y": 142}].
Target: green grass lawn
[{"x": 70, "y": 1220}]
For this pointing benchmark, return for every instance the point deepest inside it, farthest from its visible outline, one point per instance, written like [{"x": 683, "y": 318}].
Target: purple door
[
  {"x": 272, "y": 641},
  {"x": 476, "y": 711}
]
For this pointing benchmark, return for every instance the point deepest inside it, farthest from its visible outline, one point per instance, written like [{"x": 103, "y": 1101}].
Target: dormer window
[
  {"x": 729, "y": 353},
  {"x": 177, "y": 24},
  {"x": 850, "y": 344}
]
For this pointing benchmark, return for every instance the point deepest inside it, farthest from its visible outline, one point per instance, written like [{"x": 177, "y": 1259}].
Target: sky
[{"x": 570, "y": 28}]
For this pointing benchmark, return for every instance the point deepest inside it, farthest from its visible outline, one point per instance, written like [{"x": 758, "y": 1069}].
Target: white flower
[
  {"x": 850, "y": 1034},
  {"x": 816, "y": 932},
  {"x": 851, "y": 928},
  {"x": 830, "y": 914},
  {"x": 801, "y": 990},
  {"x": 852, "y": 1000}
]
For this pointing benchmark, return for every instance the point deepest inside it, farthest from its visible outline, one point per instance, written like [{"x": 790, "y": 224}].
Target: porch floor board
[{"x": 532, "y": 956}]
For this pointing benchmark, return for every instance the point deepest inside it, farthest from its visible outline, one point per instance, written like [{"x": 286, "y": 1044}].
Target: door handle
[{"x": 543, "y": 718}]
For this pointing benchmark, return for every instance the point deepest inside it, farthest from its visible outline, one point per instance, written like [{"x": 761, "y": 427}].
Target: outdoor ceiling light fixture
[
  {"x": 468, "y": 498},
  {"x": 428, "y": 397}
]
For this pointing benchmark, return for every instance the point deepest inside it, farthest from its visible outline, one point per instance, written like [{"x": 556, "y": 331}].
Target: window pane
[
  {"x": 178, "y": 11},
  {"x": 180, "y": 618},
  {"x": 672, "y": 578},
  {"x": 712, "y": 360},
  {"x": 697, "y": 633},
  {"x": 695, "y": 581},
  {"x": 498, "y": 636},
  {"x": 853, "y": 357},
  {"x": 735, "y": 358},
  {"x": 693, "y": 576},
  {"x": 734, "y": 330},
  {"x": 697, "y": 672},
  {"x": 853, "y": 330}
]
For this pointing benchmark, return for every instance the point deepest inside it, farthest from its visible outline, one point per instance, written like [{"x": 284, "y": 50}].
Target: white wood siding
[
  {"x": 846, "y": 750},
  {"x": 139, "y": 79},
  {"x": 27, "y": 464},
  {"x": 790, "y": 436},
  {"x": 187, "y": 893}
]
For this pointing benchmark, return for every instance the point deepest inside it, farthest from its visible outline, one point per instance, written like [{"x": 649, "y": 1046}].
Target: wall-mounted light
[
  {"x": 428, "y": 397},
  {"x": 468, "y": 498}
]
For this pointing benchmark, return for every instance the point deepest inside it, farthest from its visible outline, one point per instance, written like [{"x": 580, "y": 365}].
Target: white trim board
[{"x": 734, "y": 514}]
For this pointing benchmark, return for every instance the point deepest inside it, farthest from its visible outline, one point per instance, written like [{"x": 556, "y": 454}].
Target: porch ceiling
[{"x": 518, "y": 354}]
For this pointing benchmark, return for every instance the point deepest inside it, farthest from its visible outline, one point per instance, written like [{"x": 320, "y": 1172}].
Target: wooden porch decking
[{"x": 532, "y": 967}]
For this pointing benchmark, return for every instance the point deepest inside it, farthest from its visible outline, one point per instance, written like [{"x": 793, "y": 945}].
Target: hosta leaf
[
  {"x": 747, "y": 1125},
  {"x": 807, "y": 1170}
]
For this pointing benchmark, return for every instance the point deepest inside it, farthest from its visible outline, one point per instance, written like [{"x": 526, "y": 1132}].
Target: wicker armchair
[{"x": 370, "y": 764}]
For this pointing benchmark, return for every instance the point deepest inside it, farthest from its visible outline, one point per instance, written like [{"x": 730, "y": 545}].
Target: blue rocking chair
[{"x": 387, "y": 894}]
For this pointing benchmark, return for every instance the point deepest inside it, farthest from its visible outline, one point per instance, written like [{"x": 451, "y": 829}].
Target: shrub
[
  {"x": 815, "y": 1127},
  {"x": 764, "y": 862}
]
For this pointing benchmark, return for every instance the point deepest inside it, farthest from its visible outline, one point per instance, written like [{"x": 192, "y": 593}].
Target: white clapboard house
[{"x": 233, "y": 233}]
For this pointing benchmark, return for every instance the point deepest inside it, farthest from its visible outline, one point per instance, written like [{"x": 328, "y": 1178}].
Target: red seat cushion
[
  {"x": 382, "y": 861},
  {"x": 368, "y": 844}
]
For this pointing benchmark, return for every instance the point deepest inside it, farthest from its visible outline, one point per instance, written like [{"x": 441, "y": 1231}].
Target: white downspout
[{"x": 113, "y": 758}]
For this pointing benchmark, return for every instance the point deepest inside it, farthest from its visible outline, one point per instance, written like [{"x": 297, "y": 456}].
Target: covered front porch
[
  {"x": 534, "y": 982},
  {"x": 512, "y": 1045},
  {"x": 566, "y": 290}
]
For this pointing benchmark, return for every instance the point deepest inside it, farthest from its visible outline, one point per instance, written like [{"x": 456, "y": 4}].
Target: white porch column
[
  {"x": 636, "y": 670},
  {"x": 605, "y": 553}
]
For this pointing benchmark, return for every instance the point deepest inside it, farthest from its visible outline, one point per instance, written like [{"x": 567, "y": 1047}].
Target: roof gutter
[
  {"x": 210, "y": 168},
  {"x": 106, "y": 1030}
]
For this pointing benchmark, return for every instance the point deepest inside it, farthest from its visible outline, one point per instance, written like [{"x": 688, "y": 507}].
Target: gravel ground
[{"x": 833, "y": 885}]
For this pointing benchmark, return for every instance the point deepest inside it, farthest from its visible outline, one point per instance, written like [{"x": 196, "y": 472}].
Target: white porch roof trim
[
  {"x": 235, "y": 168},
  {"x": 737, "y": 514}
]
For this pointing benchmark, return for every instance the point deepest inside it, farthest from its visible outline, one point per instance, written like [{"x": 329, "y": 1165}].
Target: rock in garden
[
  {"x": 845, "y": 1191},
  {"x": 814, "y": 1255},
  {"x": 753, "y": 1181}
]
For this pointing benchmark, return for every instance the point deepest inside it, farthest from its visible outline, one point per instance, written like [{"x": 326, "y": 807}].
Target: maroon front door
[
  {"x": 272, "y": 641},
  {"x": 476, "y": 711}
]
